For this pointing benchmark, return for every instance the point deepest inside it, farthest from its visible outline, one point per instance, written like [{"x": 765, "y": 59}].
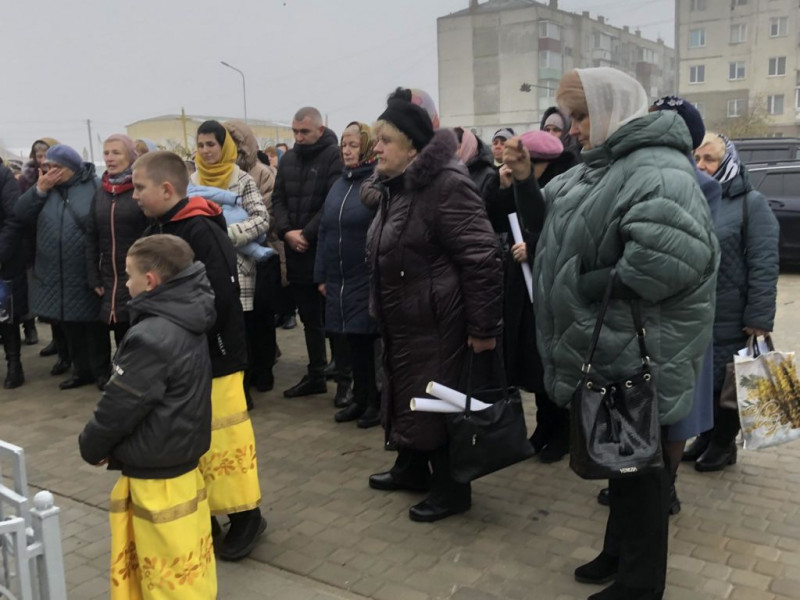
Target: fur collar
[{"x": 438, "y": 154}]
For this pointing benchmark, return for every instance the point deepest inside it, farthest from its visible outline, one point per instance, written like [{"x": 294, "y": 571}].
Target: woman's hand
[
  {"x": 47, "y": 181},
  {"x": 756, "y": 332},
  {"x": 322, "y": 290},
  {"x": 517, "y": 158},
  {"x": 296, "y": 240},
  {"x": 481, "y": 344},
  {"x": 520, "y": 252},
  {"x": 506, "y": 177},
  {"x": 99, "y": 291}
]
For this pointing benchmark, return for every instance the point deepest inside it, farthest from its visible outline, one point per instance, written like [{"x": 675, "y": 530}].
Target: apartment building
[
  {"x": 739, "y": 62},
  {"x": 500, "y": 61}
]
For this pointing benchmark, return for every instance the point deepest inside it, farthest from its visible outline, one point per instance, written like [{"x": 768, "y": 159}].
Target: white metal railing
[{"x": 31, "y": 563}]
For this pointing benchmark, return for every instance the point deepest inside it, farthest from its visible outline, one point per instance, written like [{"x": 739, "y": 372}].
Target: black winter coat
[
  {"x": 747, "y": 281},
  {"x": 115, "y": 222},
  {"x": 437, "y": 279},
  {"x": 483, "y": 173},
  {"x": 154, "y": 418},
  {"x": 305, "y": 177},
  {"x": 12, "y": 233},
  {"x": 341, "y": 262},
  {"x": 200, "y": 223}
]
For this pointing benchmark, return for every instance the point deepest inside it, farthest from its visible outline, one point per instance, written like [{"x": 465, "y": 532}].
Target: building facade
[
  {"x": 500, "y": 61},
  {"x": 739, "y": 63},
  {"x": 168, "y": 131}
]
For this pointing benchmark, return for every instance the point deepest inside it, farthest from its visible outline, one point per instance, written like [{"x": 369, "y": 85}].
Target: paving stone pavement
[{"x": 330, "y": 536}]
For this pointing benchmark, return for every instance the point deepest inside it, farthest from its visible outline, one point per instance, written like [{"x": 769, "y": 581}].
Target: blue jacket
[
  {"x": 341, "y": 261},
  {"x": 747, "y": 283},
  {"x": 60, "y": 283}
]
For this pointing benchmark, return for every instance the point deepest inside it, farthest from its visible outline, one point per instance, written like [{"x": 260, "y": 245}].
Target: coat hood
[
  {"x": 659, "y": 129},
  {"x": 738, "y": 186},
  {"x": 437, "y": 155},
  {"x": 482, "y": 159},
  {"x": 246, "y": 144},
  {"x": 186, "y": 300},
  {"x": 197, "y": 207},
  {"x": 570, "y": 143},
  {"x": 308, "y": 151}
]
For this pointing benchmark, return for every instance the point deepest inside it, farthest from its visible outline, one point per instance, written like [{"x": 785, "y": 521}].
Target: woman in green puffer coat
[{"x": 634, "y": 205}]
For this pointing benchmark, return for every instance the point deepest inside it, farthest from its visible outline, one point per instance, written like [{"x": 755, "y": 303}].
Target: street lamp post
[{"x": 244, "y": 88}]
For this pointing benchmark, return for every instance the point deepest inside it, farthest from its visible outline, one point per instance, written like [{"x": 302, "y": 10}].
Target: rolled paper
[
  {"x": 454, "y": 397},
  {"x": 432, "y": 405},
  {"x": 513, "y": 220}
]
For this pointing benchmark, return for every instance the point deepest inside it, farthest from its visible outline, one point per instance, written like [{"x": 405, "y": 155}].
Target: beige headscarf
[{"x": 613, "y": 98}]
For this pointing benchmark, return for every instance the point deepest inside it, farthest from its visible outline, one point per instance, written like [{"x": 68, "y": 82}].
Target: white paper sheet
[{"x": 513, "y": 220}]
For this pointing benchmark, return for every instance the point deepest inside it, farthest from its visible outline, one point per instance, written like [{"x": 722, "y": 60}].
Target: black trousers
[
  {"x": 638, "y": 527},
  {"x": 552, "y": 419},
  {"x": 310, "y": 306},
  {"x": 60, "y": 339},
  {"x": 89, "y": 348},
  {"x": 343, "y": 357},
  {"x": 433, "y": 467},
  {"x": 362, "y": 357}
]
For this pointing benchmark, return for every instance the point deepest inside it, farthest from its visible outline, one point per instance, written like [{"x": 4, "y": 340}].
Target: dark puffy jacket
[
  {"x": 60, "y": 286},
  {"x": 115, "y": 222},
  {"x": 747, "y": 283},
  {"x": 154, "y": 418},
  {"x": 634, "y": 205},
  {"x": 12, "y": 261},
  {"x": 200, "y": 223},
  {"x": 341, "y": 262},
  {"x": 305, "y": 177},
  {"x": 437, "y": 278},
  {"x": 483, "y": 173}
]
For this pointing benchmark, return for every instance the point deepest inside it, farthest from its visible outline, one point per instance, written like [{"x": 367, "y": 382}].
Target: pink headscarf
[
  {"x": 469, "y": 146},
  {"x": 127, "y": 142}
]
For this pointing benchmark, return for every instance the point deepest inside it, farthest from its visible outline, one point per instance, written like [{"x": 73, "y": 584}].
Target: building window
[
  {"x": 550, "y": 60},
  {"x": 697, "y": 74},
  {"x": 549, "y": 30},
  {"x": 775, "y": 104},
  {"x": 778, "y": 26},
  {"x": 647, "y": 55},
  {"x": 698, "y": 4},
  {"x": 547, "y": 89},
  {"x": 736, "y": 108},
  {"x": 602, "y": 41},
  {"x": 736, "y": 71},
  {"x": 697, "y": 38},
  {"x": 739, "y": 33},
  {"x": 777, "y": 66}
]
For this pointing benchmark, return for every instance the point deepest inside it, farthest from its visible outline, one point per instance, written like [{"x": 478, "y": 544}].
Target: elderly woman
[
  {"x": 115, "y": 222},
  {"x": 746, "y": 286},
  {"x": 13, "y": 284},
  {"x": 437, "y": 278},
  {"x": 633, "y": 207},
  {"x": 341, "y": 272},
  {"x": 217, "y": 168},
  {"x": 59, "y": 205}
]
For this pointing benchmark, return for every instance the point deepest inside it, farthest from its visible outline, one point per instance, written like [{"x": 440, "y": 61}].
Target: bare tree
[{"x": 754, "y": 122}]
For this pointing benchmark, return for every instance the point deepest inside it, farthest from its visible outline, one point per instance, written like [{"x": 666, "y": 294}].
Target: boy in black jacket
[
  {"x": 160, "y": 181},
  {"x": 153, "y": 423}
]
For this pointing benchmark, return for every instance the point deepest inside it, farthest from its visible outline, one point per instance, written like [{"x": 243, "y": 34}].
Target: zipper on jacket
[
  {"x": 112, "y": 317},
  {"x": 341, "y": 260}
]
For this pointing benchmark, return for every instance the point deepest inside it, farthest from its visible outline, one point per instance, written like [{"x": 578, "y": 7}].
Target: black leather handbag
[
  {"x": 485, "y": 441},
  {"x": 614, "y": 427}
]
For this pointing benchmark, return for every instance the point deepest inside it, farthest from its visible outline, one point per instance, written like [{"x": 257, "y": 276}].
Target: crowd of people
[{"x": 394, "y": 243}]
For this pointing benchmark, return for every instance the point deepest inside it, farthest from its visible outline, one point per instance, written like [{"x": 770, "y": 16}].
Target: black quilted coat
[
  {"x": 436, "y": 278},
  {"x": 12, "y": 261}
]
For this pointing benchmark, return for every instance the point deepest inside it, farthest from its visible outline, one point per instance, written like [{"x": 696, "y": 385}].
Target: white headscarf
[{"x": 613, "y": 98}]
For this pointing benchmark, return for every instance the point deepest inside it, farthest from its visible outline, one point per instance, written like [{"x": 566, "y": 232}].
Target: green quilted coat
[{"x": 633, "y": 204}]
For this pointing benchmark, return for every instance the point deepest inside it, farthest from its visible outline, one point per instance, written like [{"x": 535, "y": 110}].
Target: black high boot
[
  {"x": 12, "y": 342},
  {"x": 31, "y": 335}
]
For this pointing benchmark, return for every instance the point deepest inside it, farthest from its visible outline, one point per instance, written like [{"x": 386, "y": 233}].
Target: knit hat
[
  {"x": 505, "y": 134},
  {"x": 690, "y": 115},
  {"x": 555, "y": 120},
  {"x": 408, "y": 117},
  {"x": 65, "y": 156},
  {"x": 127, "y": 142},
  {"x": 541, "y": 145}
]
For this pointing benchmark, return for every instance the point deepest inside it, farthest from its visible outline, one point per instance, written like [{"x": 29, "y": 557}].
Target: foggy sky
[{"x": 117, "y": 61}]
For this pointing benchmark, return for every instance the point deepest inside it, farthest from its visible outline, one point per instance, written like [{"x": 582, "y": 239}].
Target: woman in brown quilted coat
[{"x": 437, "y": 292}]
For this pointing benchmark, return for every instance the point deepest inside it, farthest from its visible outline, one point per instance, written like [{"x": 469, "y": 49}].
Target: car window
[
  {"x": 791, "y": 184},
  {"x": 772, "y": 185}
]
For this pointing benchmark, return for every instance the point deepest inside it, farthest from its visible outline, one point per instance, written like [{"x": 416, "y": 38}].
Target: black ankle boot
[
  {"x": 344, "y": 395},
  {"x": 716, "y": 458},
  {"x": 12, "y": 343},
  {"x": 370, "y": 418},
  {"x": 674, "y": 502},
  {"x": 246, "y": 527},
  {"x": 351, "y": 412},
  {"x": 601, "y": 570},
  {"x": 31, "y": 335},
  {"x": 697, "y": 447}
]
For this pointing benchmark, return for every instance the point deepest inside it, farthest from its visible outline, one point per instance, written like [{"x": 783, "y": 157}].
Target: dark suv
[
  {"x": 780, "y": 184},
  {"x": 767, "y": 150}
]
